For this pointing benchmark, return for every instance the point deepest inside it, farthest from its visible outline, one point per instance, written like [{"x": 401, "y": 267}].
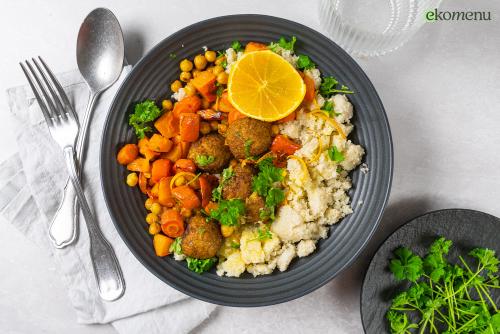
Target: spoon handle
[{"x": 63, "y": 229}]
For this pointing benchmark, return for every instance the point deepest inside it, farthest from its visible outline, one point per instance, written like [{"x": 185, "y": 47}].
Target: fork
[{"x": 63, "y": 126}]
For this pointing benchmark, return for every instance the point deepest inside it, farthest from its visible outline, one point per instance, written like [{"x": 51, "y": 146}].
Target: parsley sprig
[
  {"x": 227, "y": 173},
  {"x": 228, "y": 212},
  {"x": 283, "y": 43},
  {"x": 236, "y": 45},
  {"x": 444, "y": 297},
  {"x": 305, "y": 63},
  {"x": 335, "y": 154},
  {"x": 329, "y": 86},
  {"x": 204, "y": 160},
  {"x": 144, "y": 113},
  {"x": 266, "y": 184}
]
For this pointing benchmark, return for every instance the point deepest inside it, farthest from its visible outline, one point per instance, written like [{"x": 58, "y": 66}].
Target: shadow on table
[
  {"x": 347, "y": 286},
  {"x": 134, "y": 46}
]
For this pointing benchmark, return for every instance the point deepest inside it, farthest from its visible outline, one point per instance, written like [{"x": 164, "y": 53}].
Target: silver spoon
[{"x": 100, "y": 54}]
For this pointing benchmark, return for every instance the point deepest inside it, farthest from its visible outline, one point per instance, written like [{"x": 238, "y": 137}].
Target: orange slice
[{"x": 265, "y": 86}]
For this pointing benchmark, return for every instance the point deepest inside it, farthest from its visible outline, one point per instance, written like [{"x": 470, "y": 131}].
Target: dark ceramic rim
[
  {"x": 411, "y": 221},
  {"x": 150, "y": 79}
]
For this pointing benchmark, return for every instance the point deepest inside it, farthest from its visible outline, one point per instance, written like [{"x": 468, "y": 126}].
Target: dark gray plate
[
  {"x": 467, "y": 229},
  {"x": 151, "y": 78}
]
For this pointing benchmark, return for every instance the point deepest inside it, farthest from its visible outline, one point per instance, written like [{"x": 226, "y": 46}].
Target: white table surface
[{"x": 441, "y": 92}]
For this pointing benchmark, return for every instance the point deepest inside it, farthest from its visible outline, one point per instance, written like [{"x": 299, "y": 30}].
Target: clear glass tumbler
[{"x": 373, "y": 27}]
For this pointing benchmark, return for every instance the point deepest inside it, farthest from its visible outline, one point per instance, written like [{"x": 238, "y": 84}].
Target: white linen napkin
[{"x": 31, "y": 184}]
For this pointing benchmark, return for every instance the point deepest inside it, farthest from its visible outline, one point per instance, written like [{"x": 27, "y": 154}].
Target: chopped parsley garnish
[
  {"x": 329, "y": 86},
  {"x": 265, "y": 185},
  {"x": 172, "y": 56},
  {"x": 283, "y": 43},
  {"x": 444, "y": 297},
  {"x": 204, "y": 160},
  {"x": 224, "y": 63},
  {"x": 220, "y": 90},
  {"x": 305, "y": 63},
  {"x": 228, "y": 212},
  {"x": 226, "y": 175},
  {"x": 335, "y": 154},
  {"x": 235, "y": 245},
  {"x": 339, "y": 169},
  {"x": 236, "y": 45},
  {"x": 144, "y": 113},
  {"x": 176, "y": 246},
  {"x": 264, "y": 233},
  {"x": 200, "y": 266},
  {"x": 248, "y": 146},
  {"x": 328, "y": 107}
]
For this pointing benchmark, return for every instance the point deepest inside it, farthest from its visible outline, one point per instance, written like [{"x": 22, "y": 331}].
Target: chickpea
[
  {"x": 149, "y": 202},
  {"x": 226, "y": 230},
  {"x": 222, "y": 128},
  {"x": 205, "y": 104},
  {"x": 152, "y": 218},
  {"x": 186, "y": 65},
  {"x": 214, "y": 125},
  {"x": 156, "y": 208},
  {"x": 210, "y": 56},
  {"x": 185, "y": 76},
  {"x": 167, "y": 105},
  {"x": 205, "y": 128},
  {"x": 217, "y": 70},
  {"x": 195, "y": 73},
  {"x": 200, "y": 62},
  {"x": 154, "y": 228},
  {"x": 189, "y": 90},
  {"x": 180, "y": 181},
  {"x": 220, "y": 60},
  {"x": 186, "y": 213},
  {"x": 222, "y": 78},
  {"x": 275, "y": 130},
  {"x": 175, "y": 86},
  {"x": 132, "y": 179}
]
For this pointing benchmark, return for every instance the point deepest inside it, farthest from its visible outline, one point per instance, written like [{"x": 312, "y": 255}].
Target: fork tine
[
  {"x": 41, "y": 103},
  {"x": 55, "y": 98},
  {"x": 60, "y": 90},
  {"x": 51, "y": 108}
]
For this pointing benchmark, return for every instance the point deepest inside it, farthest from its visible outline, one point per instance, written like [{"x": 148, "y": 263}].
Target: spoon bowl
[{"x": 100, "y": 49}]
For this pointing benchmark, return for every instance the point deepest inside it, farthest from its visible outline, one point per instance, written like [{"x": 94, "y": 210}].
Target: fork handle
[{"x": 106, "y": 268}]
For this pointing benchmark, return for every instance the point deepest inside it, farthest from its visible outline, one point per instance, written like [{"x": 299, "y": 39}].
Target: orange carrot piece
[
  {"x": 205, "y": 85},
  {"x": 160, "y": 169},
  {"x": 254, "y": 46},
  {"x": 127, "y": 154},
  {"x": 189, "y": 127},
  {"x": 234, "y": 115},
  {"x": 189, "y": 104},
  {"x": 211, "y": 206},
  {"x": 139, "y": 165},
  {"x": 224, "y": 104},
  {"x": 174, "y": 154},
  {"x": 186, "y": 196},
  {"x": 283, "y": 145},
  {"x": 184, "y": 165},
  {"x": 143, "y": 183},
  {"x": 288, "y": 118},
  {"x": 310, "y": 89},
  {"x": 144, "y": 149},
  {"x": 172, "y": 223},
  {"x": 167, "y": 125},
  {"x": 158, "y": 143},
  {"x": 164, "y": 193},
  {"x": 161, "y": 244},
  {"x": 205, "y": 190}
]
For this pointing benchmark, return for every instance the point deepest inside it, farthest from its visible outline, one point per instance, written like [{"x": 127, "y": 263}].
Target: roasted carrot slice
[
  {"x": 189, "y": 127},
  {"x": 167, "y": 125},
  {"x": 288, "y": 118},
  {"x": 284, "y": 145},
  {"x": 161, "y": 244},
  {"x": 158, "y": 143},
  {"x": 184, "y": 165},
  {"x": 139, "y": 165},
  {"x": 224, "y": 104},
  {"x": 310, "y": 89},
  {"x": 172, "y": 223},
  {"x": 127, "y": 154},
  {"x": 254, "y": 46},
  {"x": 165, "y": 197},
  {"x": 160, "y": 169},
  {"x": 205, "y": 85},
  {"x": 189, "y": 104},
  {"x": 186, "y": 197}
]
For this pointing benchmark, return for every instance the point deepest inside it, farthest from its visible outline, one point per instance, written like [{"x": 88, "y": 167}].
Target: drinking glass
[{"x": 373, "y": 27}]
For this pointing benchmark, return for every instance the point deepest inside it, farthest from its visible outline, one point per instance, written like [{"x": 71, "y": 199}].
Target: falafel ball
[
  {"x": 202, "y": 238},
  {"x": 240, "y": 184},
  {"x": 216, "y": 154},
  {"x": 254, "y": 205},
  {"x": 248, "y": 137}
]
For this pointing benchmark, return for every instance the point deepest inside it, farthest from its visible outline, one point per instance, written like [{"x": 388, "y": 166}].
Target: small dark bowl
[{"x": 151, "y": 78}]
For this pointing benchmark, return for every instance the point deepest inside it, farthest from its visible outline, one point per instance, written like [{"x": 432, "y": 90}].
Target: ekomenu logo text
[{"x": 438, "y": 15}]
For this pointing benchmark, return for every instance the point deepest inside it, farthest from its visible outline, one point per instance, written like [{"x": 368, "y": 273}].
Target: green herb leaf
[
  {"x": 328, "y": 106},
  {"x": 227, "y": 173},
  {"x": 274, "y": 197},
  {"x": 283, "y": 43},
  {"x": 236, "y": 45},
  {"x": 406, "y": 265},
  {"x": 200, "y": 266},
  {"x": 329, "y": 86},
  {"x": 335, "y": 154},
  {"x": 175, "y": 247},
  {"x": 264, "y": 233},
  {"x": 144, "y": 113},
  {"x": 172, "y": 55},
  {"x": 228, "y": 212},
  {"x": 220, "y": 90},
  {"x": 204, "y": 160},
  {"x": 224, "y": 63},
  {"x": 235, "y": 245},
  {"x": 305, "y": 63}
]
